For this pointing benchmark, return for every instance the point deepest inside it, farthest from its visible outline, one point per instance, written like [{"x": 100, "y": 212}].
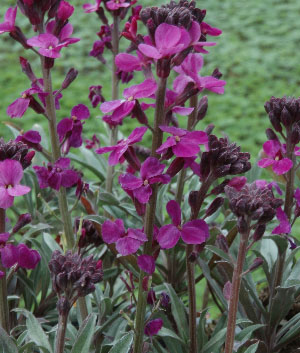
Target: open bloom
[
  {"x": 116, "y": 4},
  {"x": 31, "y": 138},
  {"x": 69, "y": 129},
  {"x": 195, "y": 34},
  {"x": 152, "y": 328},
  {"x": 188, "y": 72},
  {"x": 57, "y": 175},
  {"x": 146, "y": 263},
  {"x": 169, "y": 40},
  {"x": 193, "y": 232},
  {"x": 92, "y": 7},
  {"x": 127, "y": 242},
  {"x": 9, "y": 20},
  {"x": 11, "y": 173},
  {"x": 123, "y": 107},
  {"x": 122, "y": 146},
  {"x": 183, "y": 143},
  {"x": 273, "y": 150},
  {"x": 284, "y": 226},
  {"x": 151, "y": 173}
]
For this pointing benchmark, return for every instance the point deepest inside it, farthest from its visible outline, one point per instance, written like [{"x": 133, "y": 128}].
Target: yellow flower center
[
  {"x": 146, "y": 182},
  {"x": 24, "y": 95},
  {"x": 177, "y": 138},
  {"x": 179, "y": 227},
  {"x": 130, "y": 99},
  {"x": 74, "y": 117}
]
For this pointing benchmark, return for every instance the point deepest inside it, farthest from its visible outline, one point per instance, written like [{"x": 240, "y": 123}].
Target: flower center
[
  {"x": 50, "y": 47},
  {"x": 24, "y": 95},
  {"x": 58, "y": 170},
  {"x": 146, "y": 182},
  {"x": 9, "y": 186},
  {"x": 130, "y": 99},
  {"x": 177, "y": 138},
  {"x": 179, "y": 227},
  {"x": 74, "y": 117}
]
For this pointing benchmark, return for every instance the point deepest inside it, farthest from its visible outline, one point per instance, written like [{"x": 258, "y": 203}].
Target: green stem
[
  {"x": 4, "y": 312},
  {"x": 150, "y": 216},
  {"x": 235, "y": 291},
  {"x": 115, "y": 95}
]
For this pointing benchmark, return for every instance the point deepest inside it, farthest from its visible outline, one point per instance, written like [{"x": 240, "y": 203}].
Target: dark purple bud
[
  {"x": 26, "y": 68},
  {"x": 202, "y": 108},
  {"x": 139, "y": 113},
  {"x": 132, "y": 158},
  {"x": 163, "y": 68},
  {"x": 221, "y": 242},
  {"x": 18, "y": 35},
  {"x": 36, "y": 106},
  {"x": 217, "y": 73},
  {"x": 179, "y": 58},
  {"x": 101, "y": 15},
  {"x": 193, "y": 197},
  {"x": 220, "y": 188},
  {"x": 175, "y": 167},
  {"x": 153, "y": 327},
  {"x": 223, "y": 170},
  {"x": 70, "y": 77},
  {"x": 295, "y": 136},
  {"x": 256, "y": 263},
  {"x": 151, "y": 297},
  {"x": 271, "y": 134},
  {"x": 23, "y": 220},
  {"x": 286, "y": 117},
  {"x": 204, "y": 166},
  {"x": 214, "y": 206},
  {"x": 145, "y": 283},
  {"x": 275, "y": 122},
  {"x": 259, "y": 232}
]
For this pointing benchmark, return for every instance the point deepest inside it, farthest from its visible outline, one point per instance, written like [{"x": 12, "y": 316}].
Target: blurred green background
[{"x": 257, "y": 54}]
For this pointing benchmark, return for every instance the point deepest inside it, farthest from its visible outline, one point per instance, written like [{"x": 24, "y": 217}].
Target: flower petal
[
  {"x": 146, "y": 263},
  {"x": 18, "y": 190},
  {"x": 282, "y": 166},
  {"x": 129, "y": 181},
  {"x": 126, "y": 246},
  {"x": 174, "y": 212},
  {"x": 195, "y": 232},
  {"x": 168, "y": 236},
  {"x": 111, "y": 232}
]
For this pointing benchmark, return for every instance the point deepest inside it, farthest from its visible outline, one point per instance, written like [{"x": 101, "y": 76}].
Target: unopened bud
[
  {"x": 70, "y": 77},
  {"x": 217, "y": 73},
  {"x": 242, "y": 225},
  {"x": 295, "y": 136},
  {"x": 18, "y": 35},
  {"x": 221, "y": 242},
  {"x": 256, "y": 263},
  {"x": 286, "y": 117},
  {"x": 220, "y": 188},
  {"x": 23, "y": 220},
  {"x": 65, "y": 11},
  {"x": 214, "y": 206},
  {"x": 202, "y": 108},
  {"x": 175, "y": 167},
  {"x": 26, "y": 68},
  {"x": 275, "y": 122},
  {"x": 193, "y": 196},
  {"x": 259, "y": 232}
]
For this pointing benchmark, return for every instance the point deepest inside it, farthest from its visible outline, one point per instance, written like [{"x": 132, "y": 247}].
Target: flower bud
[
  {"x": 193, "y": 196},
  {"x": 70, "y": 77},
  {"x": 259, "y": 232},
  {"x": 214, "y": 206},
  {"x": 175, "y": 167},
  {"x": 151, "y": 297},
  {"x": 295, "y": 136},
  {"x": 202, "y": 108},
  {"x": 221, "y": 242},
  {"x": 65, "y": 11},
  {"x": 256, "y": 263},
  {"x": 286, "y": 117},
  {"x": 26, "y": 68},
  {"x": 23, "y": 220}
]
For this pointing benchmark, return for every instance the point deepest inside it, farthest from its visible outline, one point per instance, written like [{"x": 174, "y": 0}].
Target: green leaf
[
  {"x": 106, "y": 198},
  {"x": 124, "y": 344},
  {"x": 35, "y": 229},
  {"x": 96, "y": 218},
  {"x": 202, "y": 336},
  {"x": 7, "y": 345},
  {"x": 85, "y": 335},
  {"x": 281, "y": 242},
  {"x": 178, "y": 311},
  {"x": 252, "y": 348},
  {"x": 218, "y": 252},
  {"x": 215, "y": 342},
  {"x": 246, "y": 332},
  {"x": 281, "y": 305},
  {"x": 165, "y": 332},
  {"x": 292, "y": 329}
]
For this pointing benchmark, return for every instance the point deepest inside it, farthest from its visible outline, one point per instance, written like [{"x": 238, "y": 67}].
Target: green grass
[{"x": 257, "y": 54}]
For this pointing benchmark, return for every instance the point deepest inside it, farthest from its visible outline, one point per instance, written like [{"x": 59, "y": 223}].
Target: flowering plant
[{"x": 113, "y": 250}]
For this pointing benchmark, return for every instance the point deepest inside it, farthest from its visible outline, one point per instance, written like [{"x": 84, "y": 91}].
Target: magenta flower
[
  {"x": 146, "y": 263},
  {"x": 195, "y": 34},
  {"x": 127, "y": 242},
  {"x": 193, "y": 232},
  {"x": 152, "y": 328},
  {"x": 151, "y": 173},
  {"x": 188, "y": 72},
  {"x": 122, "y": 108},
  {"x": 261, "y": 183},
  {"x": 69, "y": 129},
  {"x": 9, "y": 20},
  {"x": 88, "y": 8},
  {"x": 18, "y": 108},
  {"x": 20, "y": 254},
  {"x": 170, "y": 100},
  {"x": 183, "y": 143},
  {"x": 50, "y": 46},
  {"x": 237, "y": 182},
  {"x": 57, "y": 175},
  {"x": 122, "y": 146},
  {"x": 206, "y": 29},
  {"x": 11, "y": 173},
  {"x": 128, "y": 62},
  {"x": 169, "y": 40},
  {"x": 32, "y": 139},
  {"x": 284, "y": 226},
  {"x": 64, "y": 11},
  {"x": 114, "y": 5},
  {"x": 274, "y": 151}
]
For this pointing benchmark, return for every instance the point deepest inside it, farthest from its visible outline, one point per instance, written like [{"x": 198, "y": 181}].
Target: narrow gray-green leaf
[
  {"x": 7, "y": 345},
  {"x": 165, "y": 332},
  {"x": 124, "y": 344},
  {"x": 85, "y": 335},
  {"x": 252, "y": 348}
]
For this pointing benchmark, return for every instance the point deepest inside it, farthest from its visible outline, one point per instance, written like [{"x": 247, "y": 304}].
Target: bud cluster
[
  {"x": 223, "y": 158},
  {"x": 89, "y": 234},
  {"x": 73, "y": 276},
  {"x": 17, "y": 151}
]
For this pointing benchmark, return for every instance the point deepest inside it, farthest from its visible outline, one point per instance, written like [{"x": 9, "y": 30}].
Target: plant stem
[
  {"x": 69, "y": 239},
  {"x": 4, "y": 312},
  {"x": 235, "y": 291},
  {"x": 150, "y": 215},
  {"x": 61, "y": 333},
  {"x": 115, "y": 95}
]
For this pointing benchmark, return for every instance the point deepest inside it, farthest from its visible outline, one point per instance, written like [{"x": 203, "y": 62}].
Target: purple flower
[
  {"x": 32, "y": 139},
  {"x": 152, "y": 328},
  {"x": 188, "y": 72},
  {"x": 128, "y": 62},
  {"x": 183, "y": 143},
  {"x": 169, "y": 40},
  {"x": 88, "y": 8},
  {"x": 193, "y": 232},
  {"x": 50, "y": 46},
  {"x": 69, "y": 129},
  {"x": 195, "y": 34},
  {"x": 170, "y": 100},
  {"x": 9, "y": 20},
  {"x": 57, "y": 175},
  {"x": 127, "y": 242},
  {"x": 11, "y": 173},
  {"x": 122, "y": 146},
  {"x": 263, "y": 183},
  {"x": 284, "y": 226},
  {"x": 151, "y": 173},
  {"x": 18, "y": 108},
  {"x": 122, "y": 108},
  {"x": 146, "y": 263},
  {"x": 211, "y": 31},
  {"x": 64, "y": 11},
  {"x": 274, "y": 151},
  {"x": 116, "y": 4}
]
